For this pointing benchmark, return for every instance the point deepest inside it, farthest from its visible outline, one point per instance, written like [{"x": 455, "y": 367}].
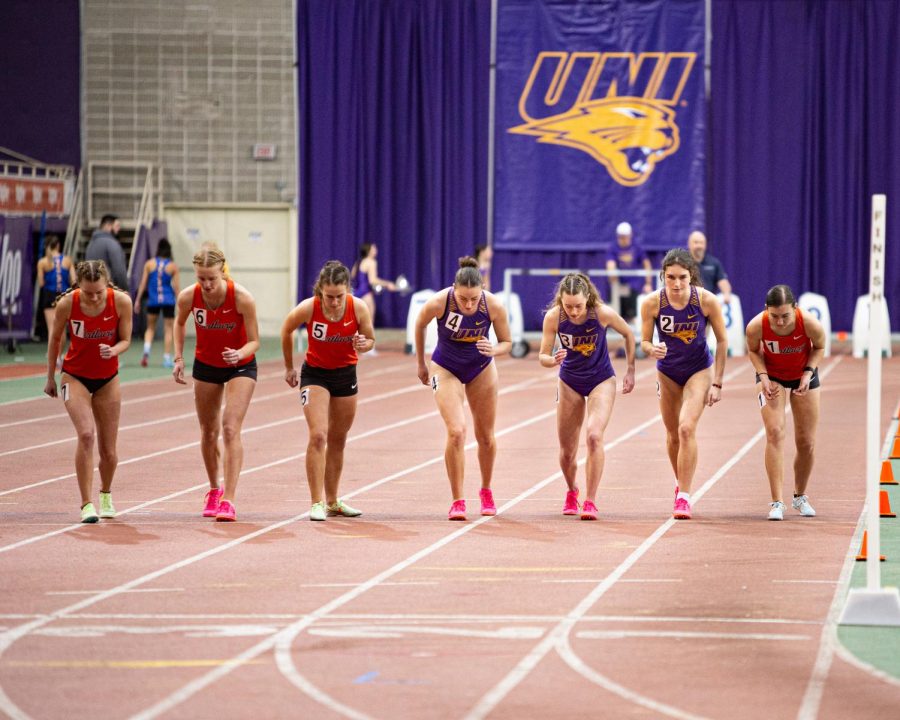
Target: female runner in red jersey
[
  {"x": 224, "y": 365},
  {"x": 785, "y": 345},
  {"x": 99, "y": 320},
  {"x": 339, "y": 327}
]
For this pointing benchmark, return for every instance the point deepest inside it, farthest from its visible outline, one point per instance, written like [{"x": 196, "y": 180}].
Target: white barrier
[
  {"x": 735, "y": 328},
  {"x": 416, "y": 301},
  {"x": 516, "y": 318},
  {"x": 817, "y": 306},
  {"x": 861, "y": 327}
]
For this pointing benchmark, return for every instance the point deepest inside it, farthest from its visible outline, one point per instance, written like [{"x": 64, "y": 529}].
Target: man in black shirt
[{"x": 711, "y": 271}]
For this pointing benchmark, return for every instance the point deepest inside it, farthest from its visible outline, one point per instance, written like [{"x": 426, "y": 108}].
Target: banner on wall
[
  {"x": 599, "y": 119},
  {"x": 16, "y": 284}
]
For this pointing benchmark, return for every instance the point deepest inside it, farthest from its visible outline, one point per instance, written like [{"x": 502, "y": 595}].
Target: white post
[{"x": 874, "y": 605}]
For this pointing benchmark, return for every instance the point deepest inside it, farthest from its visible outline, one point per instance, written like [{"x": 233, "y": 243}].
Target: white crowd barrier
[
  {"x": 817, "y": 306},
  {"x": 416, "y": 301},
  {"x": 861, "y": 328}
]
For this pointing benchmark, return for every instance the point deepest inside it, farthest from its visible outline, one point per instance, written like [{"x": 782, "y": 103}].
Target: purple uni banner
[
  {"x": 16, "y": 285},
  {"x": 599, "y": 119}
]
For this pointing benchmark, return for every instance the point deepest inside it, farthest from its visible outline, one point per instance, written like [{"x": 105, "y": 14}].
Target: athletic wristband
[
  {"x": 763, "y": 373},
  {"x": 716, "y": 385},
  {"x": 180, "y": 357},
  {"x": 809, "y": 369}
]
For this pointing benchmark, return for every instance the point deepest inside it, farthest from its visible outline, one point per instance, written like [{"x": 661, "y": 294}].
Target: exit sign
[{"x": 265, "y": 151}]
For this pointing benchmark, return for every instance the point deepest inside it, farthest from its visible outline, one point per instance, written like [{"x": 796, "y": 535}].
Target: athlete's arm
[
  {"x": 610, "y": 318},
  {"x": 649, "y": 311},
  {"x": 500, "y": 320},
  {"x": 757, "y": 360},
  {"x": 142, "y": 286},
  {"x": 182, "y": 311},
  {"x": 60, "y": 319},
  {"x": 365, "y": 336},
  {"x": 246, "y": 306},
  {"x": 547, "y": 358},
  {"x": 300, "y": 315},
  {"x": 375, "y": 280},
  {"x": 431, "y": 310},
  {"x": 40, "y": 273},
  {"x": 709, "y": 306},
  {"x": 124, "y": 310},
  {"x": 176, "y": 279}
]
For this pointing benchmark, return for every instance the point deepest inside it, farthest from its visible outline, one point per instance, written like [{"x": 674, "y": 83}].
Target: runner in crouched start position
[
  {"x": 462, "y": 368},
  {"x": 339, "y": 327}
]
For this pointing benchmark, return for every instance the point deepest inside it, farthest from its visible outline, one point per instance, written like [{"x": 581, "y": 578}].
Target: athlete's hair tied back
[
  {"x": 334, "y": 272},
  {"x": 780, "y": 295},
  {"x": 468, "y": 274},
  {"x": 680, "y": 256}
]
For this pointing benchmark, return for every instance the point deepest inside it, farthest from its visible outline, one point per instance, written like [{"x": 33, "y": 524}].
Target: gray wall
[{"x": 192, "y": 87}]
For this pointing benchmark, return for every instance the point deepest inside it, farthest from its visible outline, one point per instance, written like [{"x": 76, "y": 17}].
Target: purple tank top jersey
[
  {"x": 684, "y": 333},
  {"x": 457, "y": 335},
  {"x": 587, "y": 357},
  {"x": 363, "y": 286}
]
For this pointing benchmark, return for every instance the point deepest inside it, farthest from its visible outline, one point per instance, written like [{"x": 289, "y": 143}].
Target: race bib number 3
[{"x": 565, "y": 340}]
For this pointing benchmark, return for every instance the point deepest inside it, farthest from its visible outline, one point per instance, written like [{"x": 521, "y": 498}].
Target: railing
[
  {"x": 144, "y": 216},
  {"x": 73, "y": 229}
]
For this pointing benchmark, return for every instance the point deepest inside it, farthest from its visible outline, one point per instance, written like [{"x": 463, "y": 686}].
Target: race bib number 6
[{"x": 200, "y": 316}]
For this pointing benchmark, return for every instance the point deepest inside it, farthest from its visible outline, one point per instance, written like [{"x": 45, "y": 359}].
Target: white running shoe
[
  {"x": 801, "y": 503},
  {"x": 776, "y": 510}
]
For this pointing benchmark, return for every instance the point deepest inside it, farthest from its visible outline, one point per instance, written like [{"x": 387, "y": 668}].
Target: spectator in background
[
  {"x": 55, "y": 274},
  {"x": 161, "y": 283},
  {"x": 711, "y": 271},
  {"x": 104, "y": 245},
  {"x": 484, "y": 254},
  {"x": 628, "y": 255}
]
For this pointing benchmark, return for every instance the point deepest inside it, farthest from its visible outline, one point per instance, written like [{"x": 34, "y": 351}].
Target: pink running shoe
[
  {"x": 225, "y": 513},
  {"x": 457, "y": 510},
  {"x": 212, "y": 502},
  {"x": 487, "y": 502},
  {"x": 682, "y": 509},
  {"x": 588, "y": 511},
  {"x": 570, "y": 507}
]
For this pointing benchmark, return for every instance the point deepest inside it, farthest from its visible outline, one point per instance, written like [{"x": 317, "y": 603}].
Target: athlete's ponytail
[
  {"x": 334, "y": 272},
  {"x": 468, "y": 274},
  {"x": 89, "y": 271}
]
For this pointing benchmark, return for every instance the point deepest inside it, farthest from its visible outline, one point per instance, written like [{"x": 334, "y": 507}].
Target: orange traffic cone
[
  {"x": 887, "y": 473},
  {"x": 895, "y": 451},
  {"x": 884, "y": 505},
  {"x": 863, "y": 550}
]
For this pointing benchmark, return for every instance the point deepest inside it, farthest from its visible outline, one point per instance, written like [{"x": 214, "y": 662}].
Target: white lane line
[
  {"x": 805, "y": 582},
  {"x": 624, "y": 580},
  {"x": 282, "y": 641},
  {"x": 682, "y": 635},
  {"x": 94, "y": 592},
  {"x": 557, "y": 638}
]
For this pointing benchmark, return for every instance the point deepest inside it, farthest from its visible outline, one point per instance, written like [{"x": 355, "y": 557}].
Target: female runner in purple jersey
[
  {"x": 580, "y": 319},
  {"x": 462, "y": 369},
  {"x": 680, "y": 312}
]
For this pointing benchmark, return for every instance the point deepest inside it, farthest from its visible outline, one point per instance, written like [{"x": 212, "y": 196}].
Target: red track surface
[{"x": 401, "y": 614}]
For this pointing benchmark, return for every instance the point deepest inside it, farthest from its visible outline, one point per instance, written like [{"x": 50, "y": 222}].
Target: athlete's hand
[
  {"x": 231, "y": 356},
  {"x": 50, "y": 388},
  {"x": 628, "y": 381},
  {"x": 178, "y": 372},
  {"x": 290, "y": 377},
  {"x": 769, "y": 389},
  {"x": 803, "y": 387},
  {"x": 105, "y": 351},
  {"x": 658, "y": 350},
  {"x": 422, "y": 373},
  {"x": 360, "y": 342},
  {"x": 485, "y": 347},
  {"x": 713, "y": 396},
  {"x": 559, "y": 356}
]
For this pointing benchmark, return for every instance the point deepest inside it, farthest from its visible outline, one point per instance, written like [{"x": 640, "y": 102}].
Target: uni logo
[{"x": 618, "y": 107}]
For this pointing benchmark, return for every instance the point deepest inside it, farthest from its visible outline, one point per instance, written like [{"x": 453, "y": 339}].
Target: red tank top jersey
[
  {"x": 331, "y": 342},
  {"x": 785, "y": 356},
  {"x": 218, "y": 329},
  {"x": 87, "y": 334}
]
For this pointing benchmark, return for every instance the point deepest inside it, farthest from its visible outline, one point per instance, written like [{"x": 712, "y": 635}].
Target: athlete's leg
[
  {"x": 168, "y": 325},
  {"x": 671, "y": 396},
  {"x": 78, "y": 404},
  {"x": 806, "y": 419},
  {"x": 693, "y": 402},
  {"x": 106, "y": 405},
  {"x": 773, "y": 421},
  {"x": 449, "y": 394},
  {"x": 482, "y": 396},
  {"x": 316, "y": 402},
  {"x": 599, "y": 408},
  {"x": 238, "y": 392},
  {"x": 569, "y": 417},
  {"x": 150, "y": 332},
  {"x": 208, "y": 401},
  {"x": 341, "y": 412}
]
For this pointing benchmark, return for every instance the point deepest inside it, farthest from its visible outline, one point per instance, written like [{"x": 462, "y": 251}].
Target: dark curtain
[
  {"x": 40, "y": 108},
  {"x": 805, "y": 103},
  {"x": 393, "y": 127}
]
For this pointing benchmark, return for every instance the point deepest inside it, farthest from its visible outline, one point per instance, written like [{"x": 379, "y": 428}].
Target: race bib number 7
[{"x": 78, "y": 328}]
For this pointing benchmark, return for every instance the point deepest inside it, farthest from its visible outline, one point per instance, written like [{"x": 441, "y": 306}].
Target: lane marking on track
[
  {"x": 10, "y": 636},
  {"x": 558, "y": 638},
  {"x": 683, "y": 635},
  {"x": 94, "y": 592},
  {"x": 119, "y": 664}
]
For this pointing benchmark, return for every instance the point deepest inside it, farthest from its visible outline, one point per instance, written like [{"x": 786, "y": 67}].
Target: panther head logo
[{"x": 627, "y": 135}]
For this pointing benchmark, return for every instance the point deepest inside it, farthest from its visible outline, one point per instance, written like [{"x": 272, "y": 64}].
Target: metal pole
[{"x": 492, "y": 121}]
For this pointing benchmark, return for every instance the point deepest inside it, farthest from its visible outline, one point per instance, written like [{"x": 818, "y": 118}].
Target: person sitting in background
[
  {"x": 626, "y": 254},
  {"x": 105, "y": 246},
  {"x": 711, "y": 271},
  {"x": 160, "y": 280}
]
